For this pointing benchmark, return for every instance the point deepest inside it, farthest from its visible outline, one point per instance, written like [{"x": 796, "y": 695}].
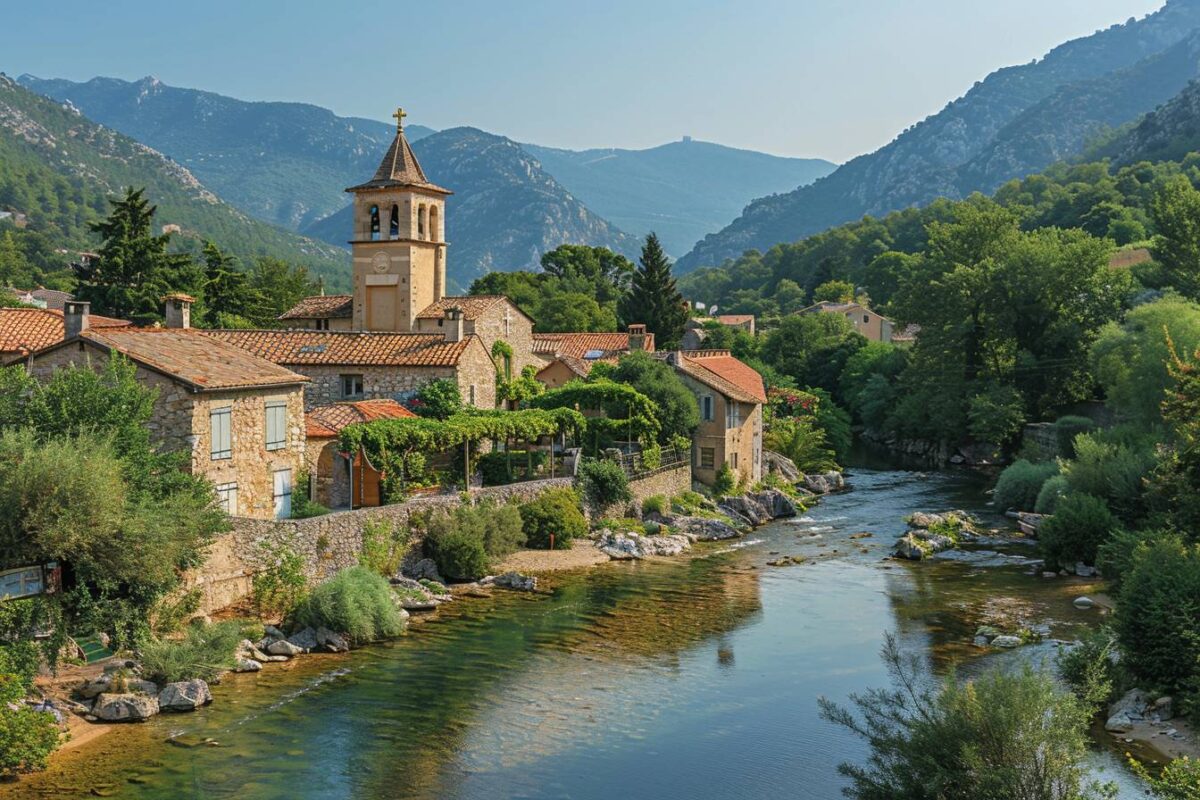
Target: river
[{"x": 693, "y": 678}]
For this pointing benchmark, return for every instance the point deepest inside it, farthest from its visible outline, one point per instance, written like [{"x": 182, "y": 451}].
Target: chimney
[
  {"x": 637, "y": 337},
  {"x": 453, "y": 324},
  {"x": 75, "y": 317},
  {"x": 179, "y": 310}
]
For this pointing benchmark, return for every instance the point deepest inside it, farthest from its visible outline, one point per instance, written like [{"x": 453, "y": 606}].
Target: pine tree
[
  {"x": 134, "y": 269},
  {"x": 229, "y": 298},
  {"x": 653, "y": 298}
]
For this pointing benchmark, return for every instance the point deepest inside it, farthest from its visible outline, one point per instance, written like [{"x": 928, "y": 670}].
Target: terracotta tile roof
[
  {"x": 321, "y": 306},
  {"x": 347, "y": 348},
  {"x": 325, "y": 422},
  {"x": 26, "y": 330},
  {"x": 723, "y": 372},
  {"x": 735, "y": 319},
  {"x": 189, "y": 356},
  {"x": 53, "y": 298},
  {"x": 399, "y": 168},
  {"x": 473, "y": 306},
  {"x": 579, "y": 345},
  {"x": 579, "y": 366}
]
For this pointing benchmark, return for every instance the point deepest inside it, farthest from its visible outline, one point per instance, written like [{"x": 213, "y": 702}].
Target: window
[
  {"x": 283, "y": 493},
  {"x": 706, "y": 408},
  {"x": 352, "y": 386},
  {"x": 471, "y": 394},
  {"x": 227, "y": 497},
  {"x": 21, "y": 582},
  {"x": 276, "y": 425},
  {"x": 394, "y": 225},
  {"x": 733, "y": 414},
  {"x": 421, "y": 221},
  {"x": 734, "y": 464},
  {"x": 707, "y": 458},
  {"x": 433, "y": 223},
  {"x": 374, "y": 223},
  {"x": 222, "y": 443},
  {"x": 866, "y": 318},
  {"x": 321, "y": 324}
]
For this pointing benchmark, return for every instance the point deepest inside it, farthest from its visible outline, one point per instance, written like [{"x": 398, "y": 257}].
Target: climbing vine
[{"x": 627, "y": 414}]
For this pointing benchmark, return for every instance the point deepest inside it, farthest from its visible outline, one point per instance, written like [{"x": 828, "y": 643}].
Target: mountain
[
  {"x": 979, "y": 140},
  {"x": 1169, "y": 133},
  {"x": 506, "y": 210},
  {"x": 681, "y": 190},
  {"x": 285, "y": 163},
  {"x": 59, "y": 168}
]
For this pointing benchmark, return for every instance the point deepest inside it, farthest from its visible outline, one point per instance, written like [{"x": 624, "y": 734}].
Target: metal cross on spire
[{"x": 399, "y": 117}]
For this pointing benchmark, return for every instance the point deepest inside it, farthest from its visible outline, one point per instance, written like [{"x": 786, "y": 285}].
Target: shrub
[
  {"x": 455, "y": 543},
  {"x": 1006, "y": 734},
  {"x": 356, "y": 602},
  {"x": 1179, "y": 779},
  {"x": 555, "y": 512},
  {"x": 1092, "y": 668},
  {"x": 604, "y": 483},
  {"x": 204, "y": 652},
  {"x": 1115, "y": 557},
  {"x": 804, "y": 441},
  {"x": 655, "y": 504},
  {"x": 384, "y": 546},
  {"x": 1111, "y": 465},
  {"x": 1054, "y": 489},
  {"x": 996, "y": 415},
  {"x": 1158, "y": 615},
  {"x": 688, "y": 502},
  {"x": 281, "y": 582},
  {"x": 27, "y": 737},
  {"x": 1075, "y": 531},
  {"x": 503, "y": 529},
  {"x": 437, "y": 399},
  {"x": 1065, "y": 431},
  {"x": 1020, "y": 482},
  {"x": 725, "y": 481}
]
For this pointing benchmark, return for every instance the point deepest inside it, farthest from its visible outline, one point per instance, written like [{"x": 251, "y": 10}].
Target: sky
[{"x": 824, "y": 78}]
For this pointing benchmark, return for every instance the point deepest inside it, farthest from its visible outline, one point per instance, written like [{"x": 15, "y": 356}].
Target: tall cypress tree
[{"x": 653, "y": 298}]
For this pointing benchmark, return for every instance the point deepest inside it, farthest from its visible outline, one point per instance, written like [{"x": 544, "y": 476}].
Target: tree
[
  {"x": 834, "y": 292},
  {"x": 1176, "y": 214},
  {"x": 610, "y": 273},
  {"x": 677, "y": 407},
  {"x": 134, "y": 270},
  {"x": 227, "y": 291},
  {"x": 280, "y": 286},
  {"x": 812, "y": 348},
  {"x": 653, "y": 298}
]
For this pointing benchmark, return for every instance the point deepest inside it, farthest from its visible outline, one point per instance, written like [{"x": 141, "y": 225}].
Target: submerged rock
[
  {"x": 515, "y": 581},
  {"x": 184, "y": 695},
  {"x": 1007, "y": 641}
]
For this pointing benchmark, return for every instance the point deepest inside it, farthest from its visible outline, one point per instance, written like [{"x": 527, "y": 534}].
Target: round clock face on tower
[{"x": 379, "y": 262}]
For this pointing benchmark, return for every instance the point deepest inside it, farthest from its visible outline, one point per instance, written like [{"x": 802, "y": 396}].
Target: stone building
[
  {"x": 369, "y": 365},
  {"x": 321, "y": 313},
  {"x": 875, "y": 327},
  {"x": 694, "y": 333},
  {"x": 26, "y": 330},
  {"x": 493, "y": 318},
  {"x": 341, "y": 481},
  {"x": 731, "y": 397},
  {"x": 239, "y": 417},
  {"x": 567, "y": 356}
]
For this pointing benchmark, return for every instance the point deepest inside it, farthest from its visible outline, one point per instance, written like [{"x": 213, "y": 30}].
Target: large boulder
[
  {"x": 333, "y": 642},
  {"x": 744, "y": 507},
  {"x": 282, "y": 647},
  {"x": 825, "y": 483},
  {"x": 127, "y": 707},
  {"x": 89, "y": 689},
  {"x": 920, "y": 544},
  {"x": 1127, "y": 712},
  {"x": 776, "y": 503},
  {"x": 425, "y": 569},
  {"x": 781, "y": 465},
  {"x": 305, "y": 639},
  {"x": 704, "y": 529},
  {"x": 515, "y": 581},
  {"x": 245, "y": 664},
  {"x": 626, "y": 546},
  {"x": 184, "y": 695}
]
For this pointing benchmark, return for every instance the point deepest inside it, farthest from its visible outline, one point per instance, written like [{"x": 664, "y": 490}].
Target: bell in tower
[{"x": 398, "y": 242}]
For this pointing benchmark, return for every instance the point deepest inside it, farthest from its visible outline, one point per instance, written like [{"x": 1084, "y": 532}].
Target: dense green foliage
[
  {"x": 625, "y": 413},
  {"x": 653, "y": 299},
  {"x": 555, "y": 513},
  {"x": 27, "y": 737},
  {"x": 384, "y": 546},
  {"x": 604, "y": 483},
  {"x": 1020, "y": 484},
  {"x": 677, "y": 410},
  {"x": 204, "y": 651},
  {"x": 439, "y": 399},
  {"x": 1080, "y": 524},
  {"x": 465, "y": 542},
  {"x": 1178, "y": 780},
  {"x": 356, "y": 602}
]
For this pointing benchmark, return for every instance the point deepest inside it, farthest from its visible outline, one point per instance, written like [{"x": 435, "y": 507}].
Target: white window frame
[
  {"x": 282, "y": 495},
  {"x": 276, "y": 434},
  {"x": 220, "y": 428},
  {"x": 227, "y": 497}
]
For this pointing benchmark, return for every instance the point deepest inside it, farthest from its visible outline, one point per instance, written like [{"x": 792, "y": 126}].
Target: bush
[
  {"x": 1179, "y": 779},
  {"x": 997, "y": 415},
  {"x": 725, "y": 481},
  {"x": 1065, "y": 431},
  {"x": 438, "y": 399},
  {"x": 1115, "y": 557},
  {"x": 503, "y": 529},
  {"x": 27, "y": 737},
  {"x": 1005, "y": 735},
  {"x": 384, "y": 546},
  {"x": 455, "y": 542},
  {"x": 1075, "y": 531},
  {"x": 281, "y": 582},
  {"x": 1158, "y": 615},
  {"x": 802, "y": 440},
  {"x": 1054, "y": 489},
  {"x": 356, "y": 602},
  {"x": 1020, "y": 483},
  {"x": 604, "y": 483},
  {"x": 555, "y": 512},
  {"x": 204, "y": 652},
  {"x": 655, "y": 504},
  {"x": 1092, "y": 668},
  {"x": 1112, "y": 465}
]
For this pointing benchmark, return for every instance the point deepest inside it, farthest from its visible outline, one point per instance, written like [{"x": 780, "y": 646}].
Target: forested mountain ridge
[
  {"x": 1167, "y": 134},
  {"x": 921, "y": 163},
  {"x": 505, "y": 211},
  {"x": 60, "y": 168},
  {"x": 681, "y": 190},
  {"x": 286, "y": 163}
]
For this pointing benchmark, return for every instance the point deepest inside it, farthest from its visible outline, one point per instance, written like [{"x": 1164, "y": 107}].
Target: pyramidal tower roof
[{"x": 400, "y": 167}]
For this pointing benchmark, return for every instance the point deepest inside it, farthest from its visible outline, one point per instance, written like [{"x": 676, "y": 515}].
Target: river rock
[
  {"x": 425, "y": 568},
  {"x": 273, "y": 632},
  {"x": 516, "y": 581},
  {"x": 1006, "y": 641},
  {"x": 333, "y": 642},
  {"x": 305, "y": 639},
  {"x": 91, "y": 688},
  {"x": 625, "y": 546},
  {"x": 126, "y": 707},
  {"x": 1084, "y": 602},
  {"x": 776, "y": 503},
  {"x": 1126, "y": 712},
  {"x": 1084, "y": 571},
  {"x": 919, "y": 544},
  {"x": 1164, "y": 708},
  {"x": 247, "y": 665},
  {"x": 704, "y": 529},
  {"x": 781, "y": 465},
  {"x": 744, "y": 508},
  {"x": 139, "y": 686},
  {"x": 825, "y": 483},
  {"x": 282, "y": 647},
  {"x": 184, "y": 695}
]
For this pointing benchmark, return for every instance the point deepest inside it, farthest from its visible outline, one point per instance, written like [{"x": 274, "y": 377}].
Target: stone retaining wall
[{"x": 668, "y": 482}]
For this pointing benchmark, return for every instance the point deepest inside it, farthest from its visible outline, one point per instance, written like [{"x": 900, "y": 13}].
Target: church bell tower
[{"x": 398, "y": 242}]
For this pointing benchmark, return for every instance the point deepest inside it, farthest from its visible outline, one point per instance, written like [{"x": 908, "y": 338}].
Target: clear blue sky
[{"x": 830, "y": 78}]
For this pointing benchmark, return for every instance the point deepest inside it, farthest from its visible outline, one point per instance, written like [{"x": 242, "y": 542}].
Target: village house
[
  {"x": 875, "y": 327},
  {"x": 493, "y": 318},
  {"x": 240, "y": 418},
  {"x": 41, "y": 297},
  {"x": 26, "y": 330},
  {"x": 731, "y": 395},
  {"x": 320, "y": 313},
  {"x": 694, "y": 333},
  {"x": 567, "y": 356},
  {"x": 343, "y": 480}
]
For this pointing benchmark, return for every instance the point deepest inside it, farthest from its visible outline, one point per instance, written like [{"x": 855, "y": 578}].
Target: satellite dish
[{"x": 712, "y": 312}]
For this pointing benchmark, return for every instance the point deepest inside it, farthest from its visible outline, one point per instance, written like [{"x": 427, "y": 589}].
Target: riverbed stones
[
  {"x": 1164, "y": 708},
  {"x": 624, "y": 546},
  {"x": 513, "y": 580},
  {"x": 704, "y": 529},
  {"x": 825, "y": 482},
  {"x": 1127, "y": 712},
  {"x": 333, "y": 642},
  {"x": 126, "y": 707},
  {"x": 305, "y": 639},
  {"x": 1084, "y": 571},
  {"x": 282, "y": 647},
  {"x": 184, "y": 696},
  {"x": 247, "y": 665},
  {"x": 1006, "y": 641},
  {"x": 776, "y": 504},
  {"x": 1084, "y": 603}
]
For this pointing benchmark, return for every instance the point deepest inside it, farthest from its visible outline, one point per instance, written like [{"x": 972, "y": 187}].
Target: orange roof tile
[
  {"x": 473, "y": 306},
  {"x": 726, "y": 374},
  {"x": 325, "y": 422},
  {"x": 321, "y": 306},
  {"x": 348, "y": 348},
  {"x": 578, "y": 345},
  {"x": 26, "y": 330}
]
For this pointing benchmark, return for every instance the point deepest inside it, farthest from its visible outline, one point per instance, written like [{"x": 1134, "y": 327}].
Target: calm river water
[{"x": 694, "y": 678}]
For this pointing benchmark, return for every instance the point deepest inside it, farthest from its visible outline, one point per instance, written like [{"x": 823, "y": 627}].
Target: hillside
[
  {"x": 59, "y": 168},
  {"x": 924, "y": 162},
  {"x": 505, "y": 211},
  {"x": 1167, "y": 134},
  {"x": 681, "y": 190},
  {"x": 285, "y": 163}
]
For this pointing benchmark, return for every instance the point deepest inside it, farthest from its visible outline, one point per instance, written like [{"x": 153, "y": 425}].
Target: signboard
[{"x": 22, "y": 582}]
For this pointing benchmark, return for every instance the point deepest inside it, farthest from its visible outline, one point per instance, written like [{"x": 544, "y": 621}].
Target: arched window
[
  {"x": 421, "y": 221},
  {"x": 374, "y": 223},
  {"x": 433, "y": 224},
  {"x": 394, "y": 227}
]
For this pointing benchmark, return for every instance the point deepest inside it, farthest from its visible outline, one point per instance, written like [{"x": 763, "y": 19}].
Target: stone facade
[
  {"x": 733, "y": 434},
  {"x": 668, "y": 482},
  {"x": 556, "y": 374},
  {"x": 501, "y": 322},
  {"x": 182, "y": 421}
]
